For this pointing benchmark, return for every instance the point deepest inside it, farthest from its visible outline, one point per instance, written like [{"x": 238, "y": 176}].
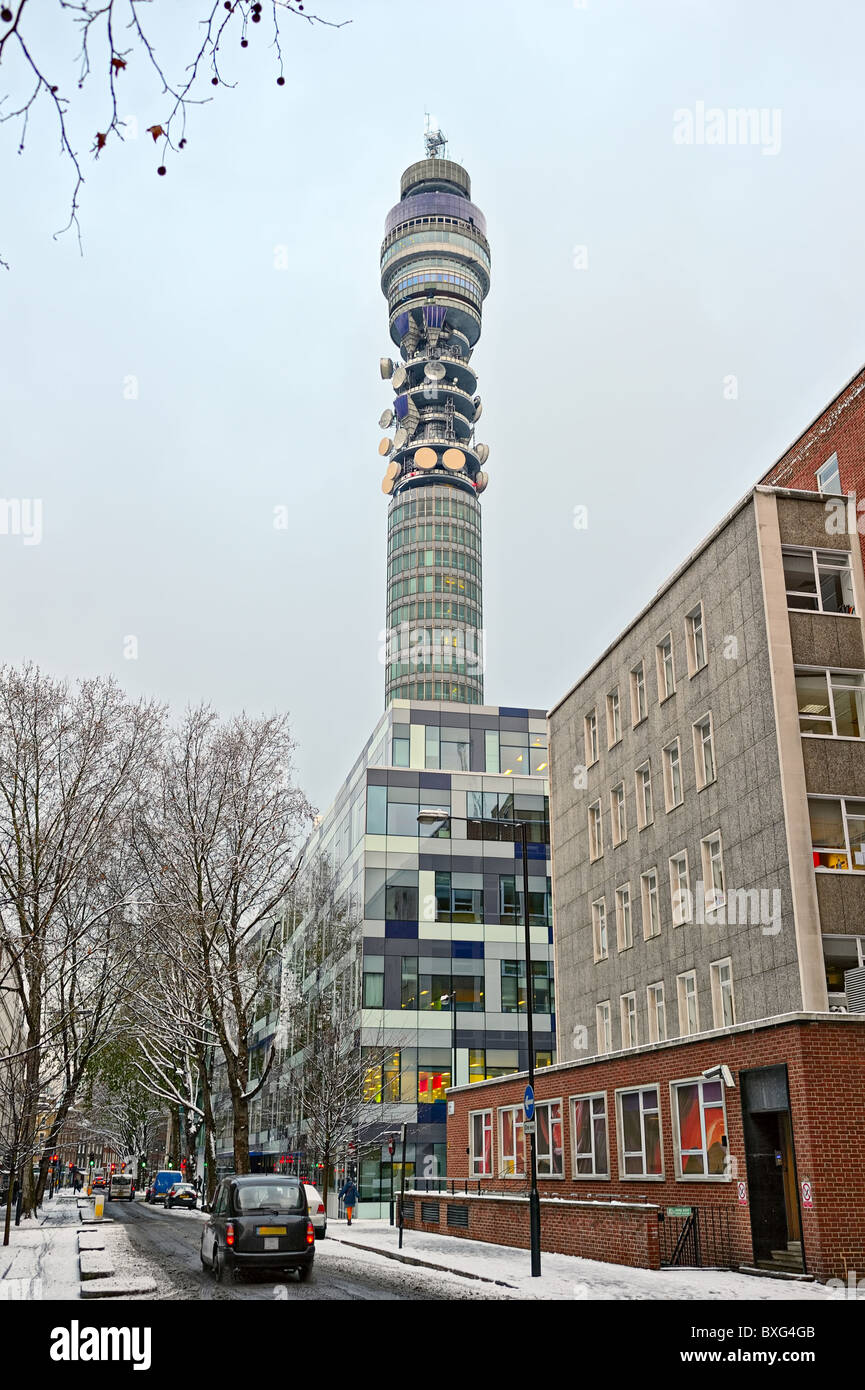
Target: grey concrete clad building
[{"x": 708, "y": 843}]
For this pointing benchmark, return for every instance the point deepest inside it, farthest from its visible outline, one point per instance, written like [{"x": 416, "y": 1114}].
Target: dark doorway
[{"x": 773, "y": 1187}]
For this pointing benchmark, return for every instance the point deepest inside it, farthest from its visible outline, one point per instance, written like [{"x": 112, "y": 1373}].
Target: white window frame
[
  {"x": 547, "y": 1104},
  {"x": 624, "y": 922},
  {"x": 618, "y": 814},
  {"x": 519, "y": 1142},
  {"x": 695, "y": 623},
  {"x": 832, "y": 465},
  {"x": 596, "y": 831},
  {"x": 604, "y": 1027},
  {"x": 829, "y": 672},
  {"x": 620, "y": 1136},
  {"x": 666, "y": 687},
  {"x": 645, "y": 815},
  {"x": 670, "y": 803},
  {"x": 475, "y": 1158},
  {"x": 590, "y": 732},
  {"x": 701, "y": 1081},
  {"x": 720, "y": 987},
  {"x": 714, "y": 897},
  {"x": 700, "y": 742},
  {"x": 683, "y": 997},
  {"x": 600, "y": 930},
  {"x": 827, "y": 559},
  {"x": 628, "y": 1019},
  {"x": 614, "y": 717},
  {"x": 844, "y": 849},
  {"x": 596, "y": 1173},
  {"x": 649, "y": 895},
  {"x": 654, "y": 1000},
  {"x": 639, "y": 703},
  {"x": 678, "y": 907}
]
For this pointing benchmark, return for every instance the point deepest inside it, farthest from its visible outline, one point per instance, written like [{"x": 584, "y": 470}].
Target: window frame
[
  {"x": 618, "y": 815},
  {"x": 718, "y": 995},
  {"x": 620, "y": 1136},
  {"x": 667, "y": 762},
  {"x": 828, "y": 672},
  {"x": 694, "y": 621},
  {"x": 596, "y": 831},
  {"x": 678, "y": 920},
  {"x": 682, "y": 1001},
  {"x": 547, "y": 1104},
  {"x": 629, "y": 999},
  {"x": 832, "y": 459},
  {"x": 596, "y": 1175},
  {"x": 600, "y": 930},
  {"x": 590, "y": 737},
  {"x": 827, "y": 849},
  {"x": 705, "y": 720},
  {"x": 705, "y": 1177},
  {"x": 620, "y": 917},
  {"x": 707, "y": 863},
  {"x": 646, "y": 898},
  {"x": 517, "y": 1111},
  {"x": 607, "y": 1027},
  {"x": 814, "y": 551},
  {"x": 669, "y": 688},
  {"x": 652, "y": 1011},
  {"x": 639, "y": 702},
  {"x": 614, "y": 717},
  {"x": 644, "y": 821},
  {"x": 472, "y": 1156}
]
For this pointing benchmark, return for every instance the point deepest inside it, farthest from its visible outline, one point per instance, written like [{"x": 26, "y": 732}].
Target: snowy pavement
[{"x": 566, "y": 1276}]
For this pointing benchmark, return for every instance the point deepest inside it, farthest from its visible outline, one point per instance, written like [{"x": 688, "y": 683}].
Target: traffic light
[
  {"x": 91, "y": 1161},
  {"x": 113, "y": 1167},
  {"x": 54, "y": 1158}
]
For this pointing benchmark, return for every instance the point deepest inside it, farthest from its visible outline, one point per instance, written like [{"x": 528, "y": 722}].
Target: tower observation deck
[{"x": 435, "y": 275}]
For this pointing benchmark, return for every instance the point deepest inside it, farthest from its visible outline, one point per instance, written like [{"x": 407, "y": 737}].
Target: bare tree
[
  {"x": 120, "y": 36},
  {"x": 72, "y": 765},
  {"x": 222, "y": 852}
]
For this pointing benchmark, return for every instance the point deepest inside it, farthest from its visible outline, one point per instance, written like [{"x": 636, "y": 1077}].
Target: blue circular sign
[{"x": 529, "y": 1103}]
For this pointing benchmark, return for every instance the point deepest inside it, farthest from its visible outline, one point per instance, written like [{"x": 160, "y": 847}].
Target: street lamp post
[{"x": 431, "y": 817}]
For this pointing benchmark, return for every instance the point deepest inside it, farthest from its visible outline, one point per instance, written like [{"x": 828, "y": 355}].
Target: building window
[
  {"x": 713, "y": 871},
  {"x": 651, "y": 906},
  {"x": 829, "y": 477},
  {"x": 628, "y": 1019},
  {"x": 689, "y": 1018},
  {"x": 514, "y": 987},
  {"x": 618, "y": 814},
  {"x": 512, "y": 1160},
  {"x": 704, "y": 752},
  {"x": 596, "y": 834},
  {"x": 680, "y": 888},
  {"x": 818, "y": 581},
  {"x": 673, "y": 796},
  {"x": 645, "y": 805},
  {"x": 550, "y": 1149},
  {"x": 599, "y": 929},
  {"x": 695, "y": 640},
  {"x": 408, "y": 983},
  {"x": 639, "y": 1133},
  {"x": 699, "y": 1128},
  {"x": 657, "y": 1013},
  {"x": 491, "y": 750},
  {"x": 604, "y": 1026},
  {"x": 666, "y": 669},
  {"x": 591, "y": 733},
  {"x": 831, "y": 703},
  {"x": 614, "y": 718},
  {"x": 639, "y": 708},
  {"x": 840, "y": 954},
  {"x": 723, "y": 1008},
  {"x": 837, "y": 833},
  {"x": 373, "y": 990},
  {"x": 624, "y": 926},
  {"x": 589, "y": 1136},
  {"x": 481, "y": 1131}
]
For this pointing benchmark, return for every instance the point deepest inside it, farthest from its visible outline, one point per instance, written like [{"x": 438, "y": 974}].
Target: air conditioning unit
[{"x": 854, "y": 986}]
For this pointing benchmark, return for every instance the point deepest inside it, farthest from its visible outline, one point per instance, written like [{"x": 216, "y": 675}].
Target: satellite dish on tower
[
  {"x": 481, "y": 481},
  {"x": 478, "y": 404},
  {"x": 386, "y": 485},
  {"x": 400, "y": 377},
  {"x": 454, "y": 459},
  {"x": 425, "y": 458},
  {"x": 385, "y": 420},
  {"x": 385, "y": 366},
  {"x": 392, "y": 470},
  {"x": 435, "y": 371},
  {"x": 384, "y": 447},
  {"x": 400, "y": 438},
  {"x": 483, "y": 452}
]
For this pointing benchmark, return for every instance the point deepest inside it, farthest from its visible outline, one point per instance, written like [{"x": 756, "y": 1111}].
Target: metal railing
[{"x": 696, "y": 1240}]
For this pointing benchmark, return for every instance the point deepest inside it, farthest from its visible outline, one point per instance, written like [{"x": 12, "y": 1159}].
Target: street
[{"x": 168, "y": 1243}]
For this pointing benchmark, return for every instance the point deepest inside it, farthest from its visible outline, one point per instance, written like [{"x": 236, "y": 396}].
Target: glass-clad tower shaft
[{"x": 435, "y": 275}]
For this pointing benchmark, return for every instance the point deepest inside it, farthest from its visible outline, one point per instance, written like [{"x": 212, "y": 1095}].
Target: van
[
  {"x": 121, "y": 1187},
  {"x": 164, "y": 1179}
]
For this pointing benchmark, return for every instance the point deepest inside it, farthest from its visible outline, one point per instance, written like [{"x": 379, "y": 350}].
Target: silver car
[{"x": 317, "y": 1212}]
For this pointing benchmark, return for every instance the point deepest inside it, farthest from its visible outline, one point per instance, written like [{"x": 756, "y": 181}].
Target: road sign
[
  {"x": 529, "y": 1126},
  {"x": 529, "y": 1103},
  {"x": 807, "y": 1193},
  {"x": 743, "y": 1194},
  {"x": 679, "y": 1211}
]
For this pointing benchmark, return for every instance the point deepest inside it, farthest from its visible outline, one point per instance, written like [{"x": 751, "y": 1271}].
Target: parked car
[
  {"x": 317, "y": 1213},
  {"x": 259, "y": 1221},
  {"x": 98, "y": 1180},
  {"x": 160, "y": 1184},
  {"x": 182, "y": 1194},
  {"x": 122, "y": 1186}
]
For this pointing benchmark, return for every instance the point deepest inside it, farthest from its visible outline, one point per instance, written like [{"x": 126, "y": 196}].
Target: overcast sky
[{"x": 604, "y": 371}]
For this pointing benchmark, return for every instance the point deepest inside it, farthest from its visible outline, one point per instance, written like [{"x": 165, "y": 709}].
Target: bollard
[{"x": 98, "y": 1206}]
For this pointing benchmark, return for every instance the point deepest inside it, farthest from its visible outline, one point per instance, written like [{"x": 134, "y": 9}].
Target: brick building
[{"x": 829, "y": 456}]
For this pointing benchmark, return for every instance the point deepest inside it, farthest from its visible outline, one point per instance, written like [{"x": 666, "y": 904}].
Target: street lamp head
[{"x": 431, "y": 815}]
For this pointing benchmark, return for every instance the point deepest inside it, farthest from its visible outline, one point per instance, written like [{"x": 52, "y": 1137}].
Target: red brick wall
[
  {"x": 617, "y": 1235},
  {"x": 826, "y": 1068}
]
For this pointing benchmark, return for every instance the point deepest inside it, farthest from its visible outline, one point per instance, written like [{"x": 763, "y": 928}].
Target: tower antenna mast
[{"x": 435, "y": 140}]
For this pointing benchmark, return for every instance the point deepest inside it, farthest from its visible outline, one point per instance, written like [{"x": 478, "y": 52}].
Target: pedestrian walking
[{"x": 349, "y": 1195}]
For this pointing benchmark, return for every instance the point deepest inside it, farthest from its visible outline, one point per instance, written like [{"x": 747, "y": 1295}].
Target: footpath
[
  {"x": 563, "y": 1276},
  {"x": 63, "y": 1253}
]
